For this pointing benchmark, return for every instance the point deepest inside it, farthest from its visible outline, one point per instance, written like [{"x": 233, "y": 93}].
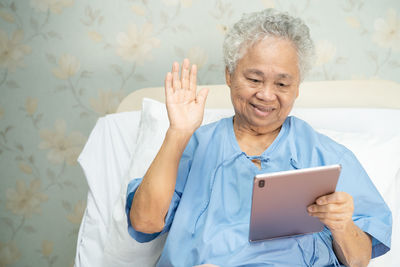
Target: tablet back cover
[{"x": 279, "y": 208}]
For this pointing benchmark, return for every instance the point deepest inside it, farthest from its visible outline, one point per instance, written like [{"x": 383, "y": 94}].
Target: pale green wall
[{"x": 62, "y": 67}]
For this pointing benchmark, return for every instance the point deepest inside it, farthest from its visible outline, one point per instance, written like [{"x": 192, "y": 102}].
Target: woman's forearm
[
  {"x": 153, "y": 196},
  {"x": 352, "y": 246}
]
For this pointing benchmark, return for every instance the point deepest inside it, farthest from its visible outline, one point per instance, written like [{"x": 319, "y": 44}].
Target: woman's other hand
[
  {"x": 352, "y": 246},
  {"x": 184, "y": 105},
  {"x": 334, "y": 210}
]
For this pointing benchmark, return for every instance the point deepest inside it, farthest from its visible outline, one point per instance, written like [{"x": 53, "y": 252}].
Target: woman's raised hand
[
  {"x": 184, "y": 105},
  {"x": 185, "y": 112}
]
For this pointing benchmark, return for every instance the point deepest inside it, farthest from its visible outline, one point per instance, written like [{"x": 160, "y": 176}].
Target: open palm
[{"x": 184, "y": 105}]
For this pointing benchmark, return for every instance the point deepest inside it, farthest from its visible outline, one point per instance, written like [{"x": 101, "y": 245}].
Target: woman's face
[{"x": 265, "y": 84}]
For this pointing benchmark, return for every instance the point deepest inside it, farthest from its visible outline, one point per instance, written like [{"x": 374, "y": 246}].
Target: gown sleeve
[
  {"x": 371, "y": 214},
  {"x": 183, "y": 171}
]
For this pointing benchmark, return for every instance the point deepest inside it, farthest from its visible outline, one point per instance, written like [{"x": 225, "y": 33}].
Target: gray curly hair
[{"x": 253, "y": 27}]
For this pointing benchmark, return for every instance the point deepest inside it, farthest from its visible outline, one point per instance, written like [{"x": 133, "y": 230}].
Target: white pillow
[
  {"x": 380, "y": 159},
  {"x": 379, "y": 121},
  {"x": 105, "y": 159}
]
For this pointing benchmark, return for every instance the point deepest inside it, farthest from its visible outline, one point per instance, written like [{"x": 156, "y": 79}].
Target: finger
[
  {"x": 168, "y": 84},
  {"x": 185, "y": 74},
  {"x": 326, "y": 208},
  {"x": 176, "y": 83},
  {"x": 193, "y": 78},
  {"x": 328, "y": 216},
  {"x": 336, "y": 197},
  {"x": 202, "y": 96}
]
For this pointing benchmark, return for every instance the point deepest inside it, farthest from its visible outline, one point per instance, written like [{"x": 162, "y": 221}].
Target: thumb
[{"x": 202, "y": 96}]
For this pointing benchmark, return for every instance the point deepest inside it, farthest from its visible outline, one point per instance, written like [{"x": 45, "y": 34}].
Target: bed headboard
[{"x": 320, "y": 94}]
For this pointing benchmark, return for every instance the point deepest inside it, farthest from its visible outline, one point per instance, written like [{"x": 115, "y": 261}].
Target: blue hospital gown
[{"x": 208, "y": 218}]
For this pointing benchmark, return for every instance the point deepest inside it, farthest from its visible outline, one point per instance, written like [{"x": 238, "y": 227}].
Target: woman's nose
[{"x": 266, "y": 93}]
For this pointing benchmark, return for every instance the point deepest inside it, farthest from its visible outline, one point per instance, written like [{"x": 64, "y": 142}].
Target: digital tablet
[{"x": 280, "y": 201}]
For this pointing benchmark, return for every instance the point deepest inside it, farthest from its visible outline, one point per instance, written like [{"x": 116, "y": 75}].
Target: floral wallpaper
[{"x": 65, "y": 63}]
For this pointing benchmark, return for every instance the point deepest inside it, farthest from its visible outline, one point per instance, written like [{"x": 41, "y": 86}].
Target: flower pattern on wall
[
  {"x": 55, "y": 6},
  {"x": 47, "y": 248},
  {"x": 106, "y": 102},
  {"x": 67, "y": 67},
  {"x": 67, "y": 62},
  {"x": 9, "y": 253},
  {"x": 185, "y": 3},
  {"x": 61, "y": 147},
  {"x": 198, "y": 56},
  {"x": 25, "y": 200},
  {"x": 387, "y": 31},
  {"x": 325, "y": 52},
  {"x": 95, "y": 36},
  {"x": 12, "y": 50},
  {"x": 31, "y": 105},
  {"x": 76, "y": 216},
  {"x": 137, "y": 43}
]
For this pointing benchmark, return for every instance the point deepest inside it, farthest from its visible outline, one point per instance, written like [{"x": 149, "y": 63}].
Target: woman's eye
[
  {"x": 281, "y": 84},
  {"x": 253, "y": 80}
]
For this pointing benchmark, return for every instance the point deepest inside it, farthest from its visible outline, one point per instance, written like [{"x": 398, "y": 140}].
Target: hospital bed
[{"x": 363, "y": 115}]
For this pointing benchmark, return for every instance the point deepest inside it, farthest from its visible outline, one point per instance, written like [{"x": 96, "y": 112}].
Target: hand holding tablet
[
  {"x": 334, "y": 210},
  {"x": 280, "y": 201}
]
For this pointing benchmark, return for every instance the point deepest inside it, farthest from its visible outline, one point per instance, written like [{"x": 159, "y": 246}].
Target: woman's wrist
[
  {"x": 180, "y": 133},
  {"x": 179, "y": 137}
]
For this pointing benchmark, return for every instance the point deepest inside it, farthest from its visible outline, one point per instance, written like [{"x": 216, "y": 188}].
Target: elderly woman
[{"x": 199, "y": 186}]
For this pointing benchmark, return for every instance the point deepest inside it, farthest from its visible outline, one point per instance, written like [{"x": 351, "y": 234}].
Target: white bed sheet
[{"x": 107, "y": 158}]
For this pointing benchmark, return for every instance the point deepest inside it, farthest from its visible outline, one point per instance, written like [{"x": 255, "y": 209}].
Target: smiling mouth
[{"x": 262, "y": 110}]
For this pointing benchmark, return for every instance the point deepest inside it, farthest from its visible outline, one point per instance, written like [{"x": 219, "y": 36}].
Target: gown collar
[{"x": 268, "y": 152}]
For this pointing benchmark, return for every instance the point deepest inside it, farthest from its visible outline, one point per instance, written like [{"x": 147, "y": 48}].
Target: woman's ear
[{"x": 227, "y": 77}]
